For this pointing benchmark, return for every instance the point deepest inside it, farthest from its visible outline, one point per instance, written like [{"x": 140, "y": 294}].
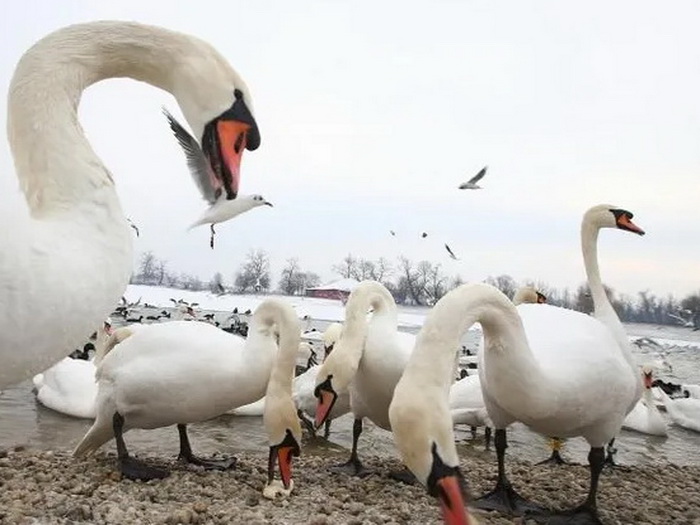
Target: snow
[{"x": 343, "y": 285}]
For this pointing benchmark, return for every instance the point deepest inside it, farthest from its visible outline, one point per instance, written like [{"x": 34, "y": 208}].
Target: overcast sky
[{"x": 371, "y": 114}]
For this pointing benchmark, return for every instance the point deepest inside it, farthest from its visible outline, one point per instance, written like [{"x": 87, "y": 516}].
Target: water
[{"x": 23, "y": 421}]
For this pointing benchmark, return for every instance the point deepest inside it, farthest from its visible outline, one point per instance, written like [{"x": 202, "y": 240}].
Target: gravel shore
[{"x": 52, "y": 487}]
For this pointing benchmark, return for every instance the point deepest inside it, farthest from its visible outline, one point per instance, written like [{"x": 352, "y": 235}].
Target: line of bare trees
[{"x": 412, "y": 283}]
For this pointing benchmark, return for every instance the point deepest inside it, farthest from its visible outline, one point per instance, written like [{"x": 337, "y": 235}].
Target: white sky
[{"x": 371, "y": 115}]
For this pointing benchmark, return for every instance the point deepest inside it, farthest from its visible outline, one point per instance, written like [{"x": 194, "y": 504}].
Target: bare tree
[
  {"x": 347, "y": 268},
  {"x": 289, "y": 279},
  {"x": 505, "y": 283},
  {"x": 255, "y": 273},
  {"x": 216, "y": 284},
  {"x": 147, "y": 268},
  {"x": 161, "y": 271},
  {"x": 408, "y": 287}
]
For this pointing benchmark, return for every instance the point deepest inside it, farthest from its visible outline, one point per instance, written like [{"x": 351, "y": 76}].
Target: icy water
[{"x": 23, "y": 421}]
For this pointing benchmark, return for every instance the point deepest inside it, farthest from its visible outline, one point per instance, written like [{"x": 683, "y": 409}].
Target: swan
[
  {"x": 303, "y": 388},
  {"x": 367, "y": 361},
  {"x": 594, "y": 219},
  {"x": 68, "y": 262},
  {"x": 544, "y": 368},
  {"x": 466, "y": 400},
  {"x": 684, "y": 412},
  {"x": 183, "y": 372},
  {"x": 645, "y": 416},
  {"x": 69, "y": 386}
]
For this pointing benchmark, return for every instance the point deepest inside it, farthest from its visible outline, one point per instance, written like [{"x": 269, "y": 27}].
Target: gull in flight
[
  {"x": 451, "y": 252},
  {"x": 471, "y": 184},
  {"x": 221, "y": 208}
]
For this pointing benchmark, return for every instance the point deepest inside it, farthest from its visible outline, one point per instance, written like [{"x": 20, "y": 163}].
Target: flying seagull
[
  {"x": 424, "y": 235},
  {"x": 450, "y": 252},
  {"x": 133, "y": 226},
  {"x": 393, "y": 233},
  {"x": 220, "y": 209},
  {"x": 471, "y": 184}
]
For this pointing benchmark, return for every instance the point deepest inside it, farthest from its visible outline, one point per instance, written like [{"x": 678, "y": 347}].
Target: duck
[
  {"x": 645, "y": 416},
  {"x": 69, "y": 387},
  {"x": 75, "y": 230},
  {"x": 594, "y": 219},
  {"x": 183, "y": 372},
  {"x": 684, "y": 412},
  {"x": 367, "y": 360}
]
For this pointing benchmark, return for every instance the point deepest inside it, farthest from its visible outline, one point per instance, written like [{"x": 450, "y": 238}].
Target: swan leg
[
  {"x": 208, "y": 464},
  {"x": 327, "y": 429},
  {"x": 555, "y": 444},
  {"x": 587, "y": 512},
  {"x": 130, "y": 467},
  {"x": 353, "y": 465},
  {"x": 473, "y": 431},
  {"x": 504, "y": 498},
  {"x": 308, "y": 425},
  {"x": 609, "y": 463}
]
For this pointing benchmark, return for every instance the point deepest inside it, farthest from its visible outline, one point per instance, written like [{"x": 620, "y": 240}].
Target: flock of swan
[{"x": 68, "y": 262}]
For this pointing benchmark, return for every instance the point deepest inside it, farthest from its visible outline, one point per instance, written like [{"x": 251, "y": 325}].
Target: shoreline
[{"x": 52, "y": 487}]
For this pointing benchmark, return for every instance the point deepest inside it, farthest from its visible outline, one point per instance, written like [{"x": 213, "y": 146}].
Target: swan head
[
  {"x": 648, "y": 376},
  {"x": 217, "y": 105},
  {"x": 608, "y": 216},
  {"x": 284, "y": 451},
  {"x": 333, "y": 378},
  {"x": 528, "y": 294},
  {"x": 427, "y": 448}
]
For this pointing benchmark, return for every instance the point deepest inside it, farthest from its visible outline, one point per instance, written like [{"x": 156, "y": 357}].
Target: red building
[{"x": 339, "y": 290}]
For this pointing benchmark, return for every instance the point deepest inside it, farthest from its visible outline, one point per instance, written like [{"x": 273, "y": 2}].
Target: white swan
[
  {"x": 684, "y": 412},
  {"x": 466, "y": 400},
  {"x": 303, "y": 388},
  {"x": 548, "y": 375},
  {"x": 183, "y": 372},
  {"x": 69, "y": 386},
  {"x": 368, "y": 360},
  {"x": 645, "y": 416},
  {"x": 596, "y": 218},
  {"x": 76, "y": 232}
]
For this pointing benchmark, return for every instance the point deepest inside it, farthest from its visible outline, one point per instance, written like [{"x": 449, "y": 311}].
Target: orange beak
[
  {"x": 647, "y": 380},
  {"x": 541, "y": 298},
  {"x": 284, "y": 460},
  {"x": 451, "y": 501},
  {"x": 108, "y": 329},
  {"x": 626, "y": 224},
  {"x": 323, "y": 409},
  {"x": 232, "y": 142}
]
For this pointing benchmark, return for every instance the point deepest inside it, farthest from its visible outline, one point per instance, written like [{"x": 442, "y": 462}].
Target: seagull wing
[
  {"x": 476, "y": 178},
  {"x": 450, "y": 252},
  {"x": 196, "y": 160}
]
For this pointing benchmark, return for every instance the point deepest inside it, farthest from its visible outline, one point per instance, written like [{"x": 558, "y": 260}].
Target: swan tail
[
  {"x": 97, "y": 436},
  {"x": 252, "y": 409}
]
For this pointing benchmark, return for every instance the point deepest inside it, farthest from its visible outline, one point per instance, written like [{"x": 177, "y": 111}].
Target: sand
[{"x": 52, "y": 487}]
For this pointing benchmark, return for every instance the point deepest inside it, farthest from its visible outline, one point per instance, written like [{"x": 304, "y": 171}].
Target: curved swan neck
[
  {"x": 55, "y": 164},
  {"x": 283, "y": 317},
  {"x": 368, "y": 294},
  {"x": 438, "y": 341}
]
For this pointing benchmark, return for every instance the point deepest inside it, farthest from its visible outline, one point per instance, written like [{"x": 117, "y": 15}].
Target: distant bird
[
  {"x": 471, "y": 184},
  {"x": 393, "y": 233},
  {"x": 424, "y": 235},
  {"x": 134, "y": 227},
  {"x": 222, "y": 206},
  {"x": 451, "y": 252}
]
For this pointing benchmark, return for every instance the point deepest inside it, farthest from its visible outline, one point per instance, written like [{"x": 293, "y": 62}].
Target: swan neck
[
  {"x": 289, "y": 330},
  {"x": 589, "y": 247},
  {"x": 56, "y": 166},
  {"x": 436, "y": 345}
]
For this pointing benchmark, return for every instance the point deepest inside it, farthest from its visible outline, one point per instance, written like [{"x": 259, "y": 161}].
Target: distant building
[{"x": 339, "y": 290}]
